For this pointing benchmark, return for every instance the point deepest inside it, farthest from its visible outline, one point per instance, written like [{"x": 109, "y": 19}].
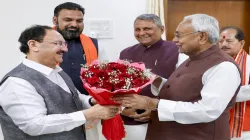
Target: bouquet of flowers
[{"x": 104, "y": 79}]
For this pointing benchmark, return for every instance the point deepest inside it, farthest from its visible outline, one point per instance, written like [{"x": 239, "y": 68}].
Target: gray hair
[
  {"x": 150, "y": 17},
  {"x": 205, "y": 23}
]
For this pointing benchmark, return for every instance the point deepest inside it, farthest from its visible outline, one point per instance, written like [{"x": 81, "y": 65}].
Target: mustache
[
  {"x": 70, "y": 29},
  {"x": 225, "y": 47},
  {"x": 61, "y": 51}
]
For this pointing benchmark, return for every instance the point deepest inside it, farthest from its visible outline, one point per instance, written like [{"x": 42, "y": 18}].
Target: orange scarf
[
  {"x": 88, "y": 47},
  {"x": 238, "y": 110}
]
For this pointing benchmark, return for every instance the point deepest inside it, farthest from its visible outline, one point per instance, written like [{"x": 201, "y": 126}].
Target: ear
[
  {"x": 54, "y": 19},
  {"x": 33, "y": 45},
  {"x": 162, "y": 29},
  {"x": 242, "y": 43},
  {"x": 203, "y": 36}
]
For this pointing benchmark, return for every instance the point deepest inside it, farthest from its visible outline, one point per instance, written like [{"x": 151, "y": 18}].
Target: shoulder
[
  {"x": 130, "y": 49},
  {"x": 225, "y": 67},
  {"x": 13, "y": 83},
  {"x": 170, "y": 45},
  {"x": 93, "y": 39}
]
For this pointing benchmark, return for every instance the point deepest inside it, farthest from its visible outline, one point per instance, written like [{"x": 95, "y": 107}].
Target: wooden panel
[{"x": 227, "y": 12}]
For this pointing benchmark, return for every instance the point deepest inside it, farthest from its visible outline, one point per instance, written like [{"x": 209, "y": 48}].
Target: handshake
[{"x": 133, "y": 101}]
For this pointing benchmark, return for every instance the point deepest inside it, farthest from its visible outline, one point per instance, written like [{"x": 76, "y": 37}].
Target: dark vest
[
  {"x": 72, "y": 61},
  {"x": 57, "y": 101},
  {"x": 185, "y": 85},
  {"x": 161, "y": 58}
]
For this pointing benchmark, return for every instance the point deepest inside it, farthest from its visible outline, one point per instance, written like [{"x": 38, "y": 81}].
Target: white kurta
[{"x": 20, "y": 100}]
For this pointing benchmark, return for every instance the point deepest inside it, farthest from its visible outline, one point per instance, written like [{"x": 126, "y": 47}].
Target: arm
[
  {"x": 85, "y": 100},
  {"x": 26, "y": 107},
  {"x": 157, "y": 85},
  {"x": 28, "y": 110},
  {"x": 244, "y": 93},
  {"x": 220, "y": 83}
]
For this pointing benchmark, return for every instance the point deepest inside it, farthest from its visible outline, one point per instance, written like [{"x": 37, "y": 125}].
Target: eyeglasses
[
  {"x": 177, "y": 35},
  {"x": 58, "y": 43}
]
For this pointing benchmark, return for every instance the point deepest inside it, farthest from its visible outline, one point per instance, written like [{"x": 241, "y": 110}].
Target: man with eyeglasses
[
  {"x": 161, "y": 56},
  {"x": 38, "y": 100},
  {"x": 194, "y": 102},
  {"x": 232, "y": 42}
]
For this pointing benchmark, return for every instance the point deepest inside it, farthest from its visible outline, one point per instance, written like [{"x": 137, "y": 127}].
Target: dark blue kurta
[{"x": 72, "y": 61}]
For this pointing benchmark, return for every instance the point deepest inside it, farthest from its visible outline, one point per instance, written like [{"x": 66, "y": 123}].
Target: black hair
[
  {"x": 35, "y": 32},
  {"x": 239, "y": 33},
  {"x": 68, "y": 6}
]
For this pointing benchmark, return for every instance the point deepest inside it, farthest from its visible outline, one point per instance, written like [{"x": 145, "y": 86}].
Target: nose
[
  {"x": 65, "y": 48},
  {"x": 224, "y": 43},
  {"x": 73, "y": 24},
  {"x": 175, "y": 39},
  {"x": 141, "y": 32}
]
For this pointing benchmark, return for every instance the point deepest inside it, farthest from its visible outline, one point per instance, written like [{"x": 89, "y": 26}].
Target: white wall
[{"x": 16, "y": 15}]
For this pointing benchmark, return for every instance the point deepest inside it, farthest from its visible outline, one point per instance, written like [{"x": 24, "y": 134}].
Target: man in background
[
  {"x": 38, "y": 100},
  {"x": 162, "y": 57},
  {"x": 68, "y": 20},
  {"x": 232, "y": 42}
]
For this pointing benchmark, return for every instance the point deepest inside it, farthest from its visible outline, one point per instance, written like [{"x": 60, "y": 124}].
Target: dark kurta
[
  {"x": 160, "y": 57},
  {"x": 189, "y": 76},
  {"x": 72, "y": 61}
]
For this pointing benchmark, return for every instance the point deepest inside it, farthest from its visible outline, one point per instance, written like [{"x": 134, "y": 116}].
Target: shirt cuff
[
  {"x": 78, "y": 117},
  {"x": 166, "y": 110},
  {"x": 162, "y": 83},
  {"x": 85, "y": 100},
  {"x": 154, "y": 90}
]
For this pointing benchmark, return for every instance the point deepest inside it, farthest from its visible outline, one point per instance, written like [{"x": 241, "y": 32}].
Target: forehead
[
  {"x": 64, "y": 13},
  {"x": 53, "y": 35},
  {"x": 144, "y": 23},
  {"x": 228, "y": 34},
  {"x": 185, "y": 26}
]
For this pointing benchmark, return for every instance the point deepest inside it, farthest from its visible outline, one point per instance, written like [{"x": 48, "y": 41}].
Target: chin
[
  {"x": 180, "y": 51},
  {"x": 59, "y": 61}
]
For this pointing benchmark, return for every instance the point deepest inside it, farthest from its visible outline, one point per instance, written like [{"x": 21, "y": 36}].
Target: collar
[
  {"x": 205, "y": 53},
  {"x": 41, "y": 68},
  {"x": 158, "y": 43}
]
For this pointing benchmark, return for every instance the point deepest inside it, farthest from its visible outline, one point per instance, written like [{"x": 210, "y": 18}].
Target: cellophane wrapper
[{"x": 113, "y": 129}]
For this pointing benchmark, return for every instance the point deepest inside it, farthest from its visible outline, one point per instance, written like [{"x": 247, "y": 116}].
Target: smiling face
[
  {"x": 186, "y": 39},
  {"x": 229, "y": 43},
  {"x": 49, "y": 51},
  {"x": 147, "y": 32},
  {"x": 69, "y": 23}
]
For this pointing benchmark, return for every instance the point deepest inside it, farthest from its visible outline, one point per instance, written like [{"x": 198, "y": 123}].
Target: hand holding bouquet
[{"x": 103, "y": 80}]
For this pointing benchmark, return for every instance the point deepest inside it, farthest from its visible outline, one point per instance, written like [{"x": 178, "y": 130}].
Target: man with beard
[
  {"x": 68, "y": 20},
  {"x": 232, "y": 42},
  {"x": 38, "y": 100}
]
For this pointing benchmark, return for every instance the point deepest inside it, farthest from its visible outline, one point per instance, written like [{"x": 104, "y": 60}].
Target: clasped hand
[{"x": 101, "y": 112}]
